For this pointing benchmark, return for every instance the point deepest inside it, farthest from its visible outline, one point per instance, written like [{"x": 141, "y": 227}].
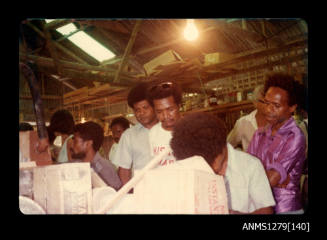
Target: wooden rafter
[
  {"x": 52, "y": 50},
  {"x": 57, "y": 45},
  {"x": 128, "y": 49}
]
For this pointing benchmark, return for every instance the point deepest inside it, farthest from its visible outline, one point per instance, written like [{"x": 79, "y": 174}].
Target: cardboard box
[
  {"x": 63, "y": 188},
  {"x": 102, "y": 195},
  {"x": 167, "y": 57},
  {"x": 168, "y": 191},
  {"x": 27, "y": 146},
  {"x": 214, "y": 58}
]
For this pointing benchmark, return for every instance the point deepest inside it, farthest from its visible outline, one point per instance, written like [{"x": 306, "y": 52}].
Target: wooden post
[{"x": 128, "y": 49}]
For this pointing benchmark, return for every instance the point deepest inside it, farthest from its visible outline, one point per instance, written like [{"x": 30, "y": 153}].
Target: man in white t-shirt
[
  {"x": 199, "y": 143},
  {"x": 133, "y": 151},
  {"x": 117, "y": 126},
  {"x": 245, "y": 126},
  {"x": 166, "y": 99}
]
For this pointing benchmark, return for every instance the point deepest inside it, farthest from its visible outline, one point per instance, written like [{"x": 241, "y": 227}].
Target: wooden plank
[
  {"x": 255, "y": 55},
  {"x": 76, "y": 96},
  {"x": 102, "y": 89},
  {"x": 76, "y": 92}
]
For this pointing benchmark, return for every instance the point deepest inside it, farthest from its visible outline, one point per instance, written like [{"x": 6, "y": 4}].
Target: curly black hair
[
  {"x": 286, "y": 82},
  {"x": 162, "y": 89},
  {"x": 91, "y": 131},
  {"x": 201, "y": 134},
  {"x": 62, "y": 121},
  {"x": 137, "y": 94},
  {"x": 120, "y": 120}
]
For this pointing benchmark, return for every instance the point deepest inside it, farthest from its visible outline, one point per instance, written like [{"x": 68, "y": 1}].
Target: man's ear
[
  {"x": 89, "y": 144},
  {"x": 219, "y": 164}
]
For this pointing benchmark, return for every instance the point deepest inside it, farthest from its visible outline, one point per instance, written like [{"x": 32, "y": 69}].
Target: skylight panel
[
  {"x": 90, "y": 46},
  {"x": 86, "y": 43},
  {"x": 67, "y": 29}
]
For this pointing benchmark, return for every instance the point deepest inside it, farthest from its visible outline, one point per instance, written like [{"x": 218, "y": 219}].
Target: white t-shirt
[
  {"x": 112, "y": 153},
  {"x": 63, "y": 154},
  {"x": 246, "y": 182},
  {"x": 159, "y": 140},
  {"x": 243, "y": 131},
  {"x": 133, "y": 150}
]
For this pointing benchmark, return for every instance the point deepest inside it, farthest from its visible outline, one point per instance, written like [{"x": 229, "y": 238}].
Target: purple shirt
[{"x": 285, "y": 153}]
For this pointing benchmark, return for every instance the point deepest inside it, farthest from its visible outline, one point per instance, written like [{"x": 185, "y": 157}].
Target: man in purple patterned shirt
[{"x": 281, "y": 144}]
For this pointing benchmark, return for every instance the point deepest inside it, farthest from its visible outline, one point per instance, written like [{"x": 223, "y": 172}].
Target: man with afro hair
[
  {"x": 62, "y": 125},
  {"x": 281, "y": 144},
  {"x": 199, "y": 143}
]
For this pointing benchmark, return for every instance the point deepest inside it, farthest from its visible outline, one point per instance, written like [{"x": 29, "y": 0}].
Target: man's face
[
  {"x": 276, "y": 109},
  {"x": 144, "y": 113},
  {"x": 117, "y": 131},
  {"x": 259, "y": 105},
  {"x": 79, "y": 147},
  {"x": 219, "y": 165},
  {"x": 167, "y": 112}
]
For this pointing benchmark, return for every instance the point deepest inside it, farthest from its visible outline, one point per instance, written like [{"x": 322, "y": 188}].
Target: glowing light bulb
[
  {"x": 83, "y": 120},
  {"x": 190, "y": 32}
]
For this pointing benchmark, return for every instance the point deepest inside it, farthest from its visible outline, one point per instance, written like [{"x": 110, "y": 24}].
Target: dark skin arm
[{"x": 42, "y": 145}]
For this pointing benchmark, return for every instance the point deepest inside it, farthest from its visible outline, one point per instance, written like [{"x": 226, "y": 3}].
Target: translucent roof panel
[{"x": 86, "y": 43}]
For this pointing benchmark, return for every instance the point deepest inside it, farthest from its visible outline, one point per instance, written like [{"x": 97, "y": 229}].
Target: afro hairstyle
[
  {"x": 120, "y": 120},
  {"x": 286, "y": 82},
  {"x": 62, "y": 121},
  {"x": 137, "y": 94},
  {"x": 201, "y": 134}
]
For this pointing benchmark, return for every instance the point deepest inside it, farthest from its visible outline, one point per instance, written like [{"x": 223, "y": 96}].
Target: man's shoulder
[
  {"x": 248, "y": 117},
  {"x": 156, "y": 128},
  {"x": 242, "y": 160}
]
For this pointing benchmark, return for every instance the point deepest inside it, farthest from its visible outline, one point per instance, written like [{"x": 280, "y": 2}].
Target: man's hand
[
  {"x": 42, "y": 145},
  {"x": 274, "y": 178},
  {"x": 285, "y": 183}
]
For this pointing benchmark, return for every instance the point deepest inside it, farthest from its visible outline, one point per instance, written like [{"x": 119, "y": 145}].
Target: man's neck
[
  {"x": 277, "y": 126},
  {"x": 261, "y": 121},
  {"x": 89, "y": 156},
  {"x": 150, "y": 125}
]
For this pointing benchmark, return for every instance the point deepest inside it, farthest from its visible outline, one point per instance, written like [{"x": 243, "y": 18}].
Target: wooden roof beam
[
  {"x": 52, "y": 50},
  {"x": 128, "y": 49},
  {"x": 218, "y": 25},
  {"x": 57, "y": 23},
  {"x": 57, "y": 45}
]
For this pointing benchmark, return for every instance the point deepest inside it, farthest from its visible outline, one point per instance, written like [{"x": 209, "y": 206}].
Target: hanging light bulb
[{"x": 190, "y": 32}]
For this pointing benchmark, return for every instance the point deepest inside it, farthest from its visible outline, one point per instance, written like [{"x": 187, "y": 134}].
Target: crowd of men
[{"x": 262, "y": 177}]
